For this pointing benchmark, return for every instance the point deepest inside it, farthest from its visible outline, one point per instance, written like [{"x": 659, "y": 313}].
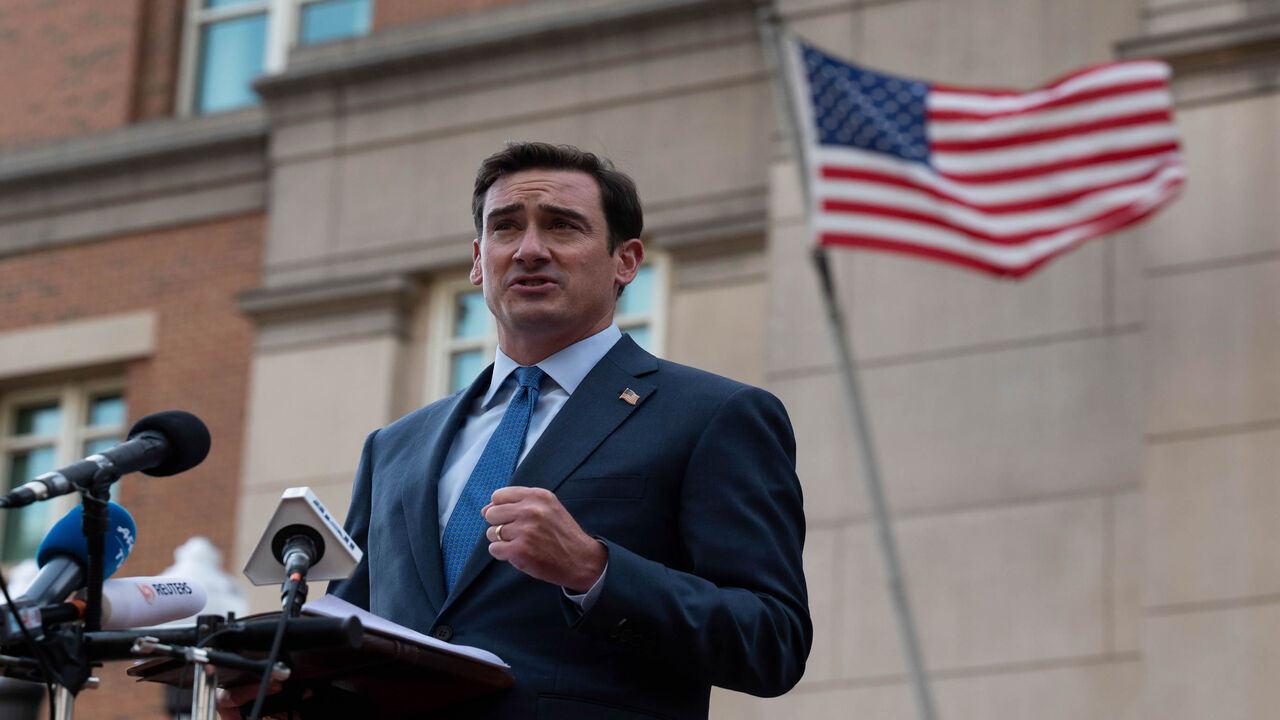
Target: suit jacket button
[{"x": 442, "y": 632}]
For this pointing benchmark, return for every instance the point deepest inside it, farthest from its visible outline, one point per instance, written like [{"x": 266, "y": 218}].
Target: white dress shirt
[{"x": 564, "y": 372}]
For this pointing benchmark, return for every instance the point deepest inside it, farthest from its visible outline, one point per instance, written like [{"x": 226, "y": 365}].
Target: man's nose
[{"x": 532, "y": 247}]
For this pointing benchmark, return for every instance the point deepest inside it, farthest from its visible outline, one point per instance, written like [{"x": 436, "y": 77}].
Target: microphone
[
  {"x": 136, "y": 602},
  {"x": 159, "y": 445},
  {"x": 302, "y": 537},
  {"x": 63, "y": 558}
]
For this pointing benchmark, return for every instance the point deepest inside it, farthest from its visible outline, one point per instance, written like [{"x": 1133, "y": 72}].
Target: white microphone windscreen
[{"x": 146, "y": 601}]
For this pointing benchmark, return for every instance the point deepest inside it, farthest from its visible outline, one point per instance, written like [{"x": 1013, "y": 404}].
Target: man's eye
[{"x": 562, "y": 225}]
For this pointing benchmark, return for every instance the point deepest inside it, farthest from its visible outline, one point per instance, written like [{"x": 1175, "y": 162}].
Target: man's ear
[
  {"x": 477, "y": 277},
  {"x": 628, "y": 255}
]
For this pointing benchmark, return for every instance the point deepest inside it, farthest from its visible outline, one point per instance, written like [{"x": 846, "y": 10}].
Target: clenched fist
[{"x": 529, "y": 528}]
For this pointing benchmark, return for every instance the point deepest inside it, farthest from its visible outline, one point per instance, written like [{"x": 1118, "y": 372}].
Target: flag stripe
[
  {"x": 862, "y": 182},
  {"x": 850, "y": 162},
  {"x": 1006, "y": 109},
  {"x": 1127, "y": 104},
  {"x": 990, "y": 179},
  {"x": 1078, "y": 162},
  {"x": 1109, "y": 76},
  {"x": 1014, "y": 261},
  {"x": 1008, "y": 230},
  {"x": 1074, "y": 81},
  {"x": 1046, "y": 156},
  {"x": 1158, "y": 117}
]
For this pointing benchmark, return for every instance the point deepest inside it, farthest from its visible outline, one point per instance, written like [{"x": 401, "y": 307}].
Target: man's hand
[
  {"x": 229, "y": 700},
  {"x": 529, "y": 528}
]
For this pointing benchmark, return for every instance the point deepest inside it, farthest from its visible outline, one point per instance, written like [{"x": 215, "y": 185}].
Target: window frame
[
  {"x": 282, "y": 36},
  {"x": 73, "y": 398},
  {"x": 441, "y": 344}
]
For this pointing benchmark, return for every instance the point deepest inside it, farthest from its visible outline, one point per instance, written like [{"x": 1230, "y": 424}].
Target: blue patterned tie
[{"x": 493, "y": 471}]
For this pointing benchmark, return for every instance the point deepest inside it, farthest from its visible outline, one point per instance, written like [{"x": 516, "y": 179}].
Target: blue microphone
[{"x": 63, "y": 556}]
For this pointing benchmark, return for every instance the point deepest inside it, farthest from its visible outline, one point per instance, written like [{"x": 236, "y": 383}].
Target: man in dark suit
[{"x": 647, "y": 544}]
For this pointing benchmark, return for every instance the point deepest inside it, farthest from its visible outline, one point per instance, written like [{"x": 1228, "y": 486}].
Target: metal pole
[
  {"x": 774, "y": 46},
  {"x": 204, "y": 698},
  {"x": 64, "y": 704},
  {"x": 858, "y": 419}
]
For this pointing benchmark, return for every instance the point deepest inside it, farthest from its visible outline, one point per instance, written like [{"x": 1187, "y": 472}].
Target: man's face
[{"x": 544, "y": 263}]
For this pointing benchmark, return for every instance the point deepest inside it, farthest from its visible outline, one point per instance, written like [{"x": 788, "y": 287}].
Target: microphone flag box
[{"x": 338, "y": 553}]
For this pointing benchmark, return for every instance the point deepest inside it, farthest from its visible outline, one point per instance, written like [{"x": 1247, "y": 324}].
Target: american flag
[{"x": 997, "y": 180}]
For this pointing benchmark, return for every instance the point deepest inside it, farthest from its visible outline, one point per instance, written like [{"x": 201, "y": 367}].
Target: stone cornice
[
  {"x": 331, "y": 296},
  {"x": 1208, "y": 45},
  {"x": 146, "y": 142},
  {"x": 406, "y": 49},
  {"x": 1214, "y": 63}
]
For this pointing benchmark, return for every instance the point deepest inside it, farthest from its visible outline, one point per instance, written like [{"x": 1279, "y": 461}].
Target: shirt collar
[{"x": 567, "y": 367}]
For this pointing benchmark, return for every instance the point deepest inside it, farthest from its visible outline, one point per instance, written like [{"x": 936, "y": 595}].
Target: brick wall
[
  {"x": 390, "y": 13},
  {"x": 190, "y": 276},
  {"x": 159, "y": 49},
  {"x": 68, "y": 67}
]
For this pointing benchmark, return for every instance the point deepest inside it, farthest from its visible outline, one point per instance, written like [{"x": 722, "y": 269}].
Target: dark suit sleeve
[
  {"x": 355, "y": 589},
  {"x": 740, "y": 615}
]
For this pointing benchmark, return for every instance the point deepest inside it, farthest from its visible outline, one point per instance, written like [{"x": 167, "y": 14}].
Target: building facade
[{"x": 258, "y": 211}]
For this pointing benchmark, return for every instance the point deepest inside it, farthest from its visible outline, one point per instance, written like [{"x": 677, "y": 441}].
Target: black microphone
[
  {"x": 165, "y": 443},
  {"x": 297, "y": 548}
]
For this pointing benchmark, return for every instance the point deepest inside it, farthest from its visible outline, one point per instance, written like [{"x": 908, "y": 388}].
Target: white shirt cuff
[{"x": 587, "y": 599}]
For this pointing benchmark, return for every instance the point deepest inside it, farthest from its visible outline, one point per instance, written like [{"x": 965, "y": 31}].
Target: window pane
[
  {"x": 638, "y": 297},
  {"x": 231, "y": 56},
  {"x": 44, "y": 419},
  {"x": 106, "y": 410},
  {"x": 470, "y": 316},
  {"x": 641, "y": 335},
  {"x": 464, "y": 367},
  {"x": 24, "y": 528},
  {"x": 99, "y": 444},
  {"x": 228, "y": 3},
  {"x": 334, "y": 19}
]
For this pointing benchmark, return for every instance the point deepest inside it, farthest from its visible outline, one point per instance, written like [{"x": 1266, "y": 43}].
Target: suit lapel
[
  {"x": 421, "y": 494},
  {"x": 590, "y": 415}
]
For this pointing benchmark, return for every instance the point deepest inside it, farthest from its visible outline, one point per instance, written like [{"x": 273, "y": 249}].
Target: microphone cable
[
  {"x": 46, "y": 666},
  {"x": 276, "y": 642}
]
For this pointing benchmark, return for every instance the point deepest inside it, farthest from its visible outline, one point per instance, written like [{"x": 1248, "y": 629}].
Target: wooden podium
[{"x": 370, "y": 674}]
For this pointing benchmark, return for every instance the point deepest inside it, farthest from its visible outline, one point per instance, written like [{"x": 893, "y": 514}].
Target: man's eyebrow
[
  {"x": 564, "y": 212},
  {"x": 504, "y": 210},
  {"x": 548, "y": 208}
]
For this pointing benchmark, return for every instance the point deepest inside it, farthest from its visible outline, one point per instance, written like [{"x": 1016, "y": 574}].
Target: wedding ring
[{"x": 497, "y": 532}]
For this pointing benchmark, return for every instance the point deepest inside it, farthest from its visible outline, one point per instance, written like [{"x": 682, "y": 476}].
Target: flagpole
[{"x": 775, "y": 54}]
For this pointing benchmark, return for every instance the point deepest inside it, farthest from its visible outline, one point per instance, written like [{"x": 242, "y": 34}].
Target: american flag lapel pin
[{"x": 629, "y": 396}]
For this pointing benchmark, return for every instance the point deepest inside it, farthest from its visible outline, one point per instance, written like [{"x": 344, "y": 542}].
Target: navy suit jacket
[{"x": 692, "y": 489}]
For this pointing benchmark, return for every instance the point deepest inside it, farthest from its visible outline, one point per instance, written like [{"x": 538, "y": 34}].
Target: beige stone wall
[
  {"x": 1007, "y": 417},
  {"x": 1211, "y": 593}
]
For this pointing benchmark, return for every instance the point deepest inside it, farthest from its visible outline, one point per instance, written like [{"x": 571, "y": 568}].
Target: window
[
  {"x": 44, "y": 429},
  {"x": 231, "y": 42},
  {"x": 465, "y": 334}
]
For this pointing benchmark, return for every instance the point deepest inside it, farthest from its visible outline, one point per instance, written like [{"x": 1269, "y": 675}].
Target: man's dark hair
[{"x": 618, "y": 193}]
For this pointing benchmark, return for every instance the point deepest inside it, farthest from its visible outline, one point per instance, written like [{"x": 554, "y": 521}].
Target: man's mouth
[{"x": 532, "y": 282}]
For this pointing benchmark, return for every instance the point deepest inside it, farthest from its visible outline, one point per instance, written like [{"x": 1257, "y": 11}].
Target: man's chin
[{"x": 533, "y": 320}]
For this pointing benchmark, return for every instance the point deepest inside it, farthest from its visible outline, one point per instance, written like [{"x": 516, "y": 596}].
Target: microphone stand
[{"x": 95, "y": 523}]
